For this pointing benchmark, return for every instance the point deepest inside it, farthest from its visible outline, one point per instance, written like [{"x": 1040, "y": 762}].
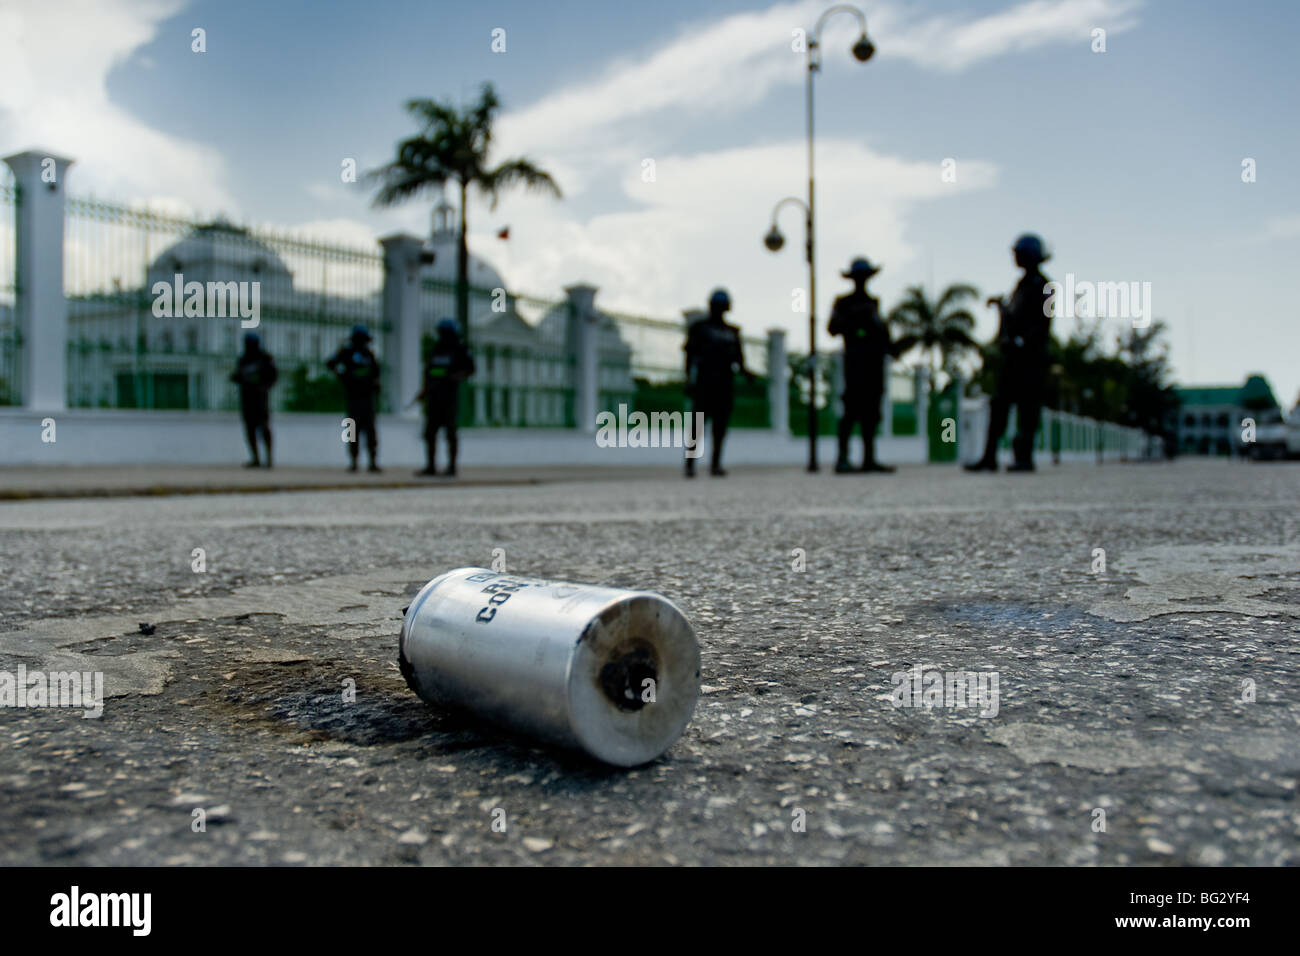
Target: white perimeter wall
[{"x": 121, "y": 437}]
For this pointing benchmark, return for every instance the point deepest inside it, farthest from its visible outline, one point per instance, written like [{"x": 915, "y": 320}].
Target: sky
[{"x": 1129, "y": 162}]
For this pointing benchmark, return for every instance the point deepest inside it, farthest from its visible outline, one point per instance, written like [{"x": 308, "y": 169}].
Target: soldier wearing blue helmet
[
  {"x": 447, "y": 365},
  {"x": 713, "y": 357},
  {"x": 358, "y": 371},
  {"x": 255, "y": 373},
  {"x": 1024, "y": 334}
]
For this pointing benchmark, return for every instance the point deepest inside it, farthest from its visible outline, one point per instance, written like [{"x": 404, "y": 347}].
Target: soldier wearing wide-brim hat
[
  {"x": 861, "y": 266},
  {"x": 856, "y": 317}
]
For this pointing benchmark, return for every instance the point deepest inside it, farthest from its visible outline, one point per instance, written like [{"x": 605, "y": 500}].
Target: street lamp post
[
  {"x": 774, "y": 240},
  {"x": 862, "y": 51}
]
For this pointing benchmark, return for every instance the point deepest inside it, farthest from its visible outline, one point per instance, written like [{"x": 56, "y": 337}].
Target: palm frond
[
  {"x": 453, "y": 146},
  {"x": 961, "y": 319},
  {"x": 514, "y": 172},
  {"x": 954, "y": 294},
  {"x": 955, "y": 337},
  {"x": 433, "y": 114},
  {"x": 479, "y": 116}
]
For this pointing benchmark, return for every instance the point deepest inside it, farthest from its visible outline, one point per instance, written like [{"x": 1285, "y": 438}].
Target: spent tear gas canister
[{"x": 611, "y": 672}]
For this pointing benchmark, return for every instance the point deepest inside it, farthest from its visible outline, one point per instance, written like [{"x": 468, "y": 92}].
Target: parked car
[{"x": 1277, "y": 437}]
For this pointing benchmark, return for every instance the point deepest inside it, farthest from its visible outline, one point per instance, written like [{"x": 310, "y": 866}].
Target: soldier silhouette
[
  {"x": 255, "y": 373},
  {"x": 449, "y": 363},
  {"x": 713, "y": 357},
  {"x": 358, "y": 371},
  {"x": 856, "y": 318},
  {"x": 1024, "y": 331}
]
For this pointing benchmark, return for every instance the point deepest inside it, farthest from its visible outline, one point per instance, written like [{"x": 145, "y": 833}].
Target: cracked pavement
[{"x": 1160, "y": 692}]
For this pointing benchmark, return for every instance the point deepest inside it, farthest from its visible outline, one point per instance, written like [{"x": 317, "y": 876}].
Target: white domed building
[
  {"x": 614, "y": 382},
  {"x": 123, "y": 355},
  {"x": 127, "y": 355},
  {"x": 525, "y": 372},
  {"x": 483, "y": 278}
]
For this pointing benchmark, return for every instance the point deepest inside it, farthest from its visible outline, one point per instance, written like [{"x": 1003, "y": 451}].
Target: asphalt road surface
[{"x": 1144, "y": 714}]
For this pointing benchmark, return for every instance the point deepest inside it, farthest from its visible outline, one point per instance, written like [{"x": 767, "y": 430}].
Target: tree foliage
[
  {"x": 942, "y": 328},
  {"x": 1127, "y": 382},
  {"x": 452, "y": 146}
]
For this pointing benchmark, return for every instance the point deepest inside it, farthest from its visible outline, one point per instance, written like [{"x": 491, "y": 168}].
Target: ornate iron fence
[
  {"x": 11, "y": 335},
  {"x": 524, "y": 353},
  {"x": 158, "y": 305},
  {"x": 658, "y": 369}
]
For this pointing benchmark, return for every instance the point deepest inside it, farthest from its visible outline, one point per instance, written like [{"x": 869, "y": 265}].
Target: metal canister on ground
[{"x": 611, "y": 672}]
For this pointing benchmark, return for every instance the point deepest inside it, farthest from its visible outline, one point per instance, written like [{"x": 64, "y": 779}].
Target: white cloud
[
  {"x": 701, "y": 223},
  {"x": 1274, "y": 229},
  {"x": 341, "y": 231},
  {"x": 710, "y": 66},
  {"x": 734, "y": 62},
  {"x": 54, "y": 63},
  {"x": 322, "y": 192},
  {"x": 1282, "y": 227},
  {"x": 946, "y": 43}
]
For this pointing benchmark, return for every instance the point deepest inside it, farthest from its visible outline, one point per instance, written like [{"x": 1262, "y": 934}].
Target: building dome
[
  {"x": 443, "y": 243},
  {"x": 221, "y": 252},
  {"x": 557, "y": 326}
]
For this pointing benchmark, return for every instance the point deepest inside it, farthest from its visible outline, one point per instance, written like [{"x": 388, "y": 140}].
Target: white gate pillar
[
  {"x": 402, "y": 259},
  {"x": 778, "y": 389},
  {"x": 42, "y": 312},
  {"x": 959, "y": 391},
  {"x": 921, "y": 404},
  {"x": 582, "y": 302},
  {"x": 836, "y": 398}
]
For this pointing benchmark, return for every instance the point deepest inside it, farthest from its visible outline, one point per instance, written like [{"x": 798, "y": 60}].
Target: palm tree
[
  {"x": 942, "y": 327},
  {"x": 452, "y": 146}
]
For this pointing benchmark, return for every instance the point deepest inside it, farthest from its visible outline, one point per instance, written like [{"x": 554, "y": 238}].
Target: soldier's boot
[
  {"x": 430, "y": 454},
  {"x": 250, "y": 433},
  {"x": 842, "y": 466},
  {"x": 870, "y": 464},
  {"x": 692, "y": 445},
  {"x": 720, "y": 424},
  {"x": 453, "y": 447}
]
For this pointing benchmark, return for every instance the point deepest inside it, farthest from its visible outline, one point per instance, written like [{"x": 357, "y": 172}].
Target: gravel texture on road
[{"x": 1146, "y": 713}]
